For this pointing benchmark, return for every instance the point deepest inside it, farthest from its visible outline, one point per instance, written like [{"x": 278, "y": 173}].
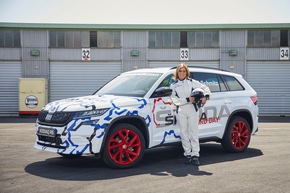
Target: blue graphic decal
[
  {"x": 118, "y": 111},
  {"x": 144, "y": 102},
  {"x": 66, "y": 146},
  {"x": 147, "y": 120},
  {"x": 109, "y": 117},
  {"x": 169, "y": 133},
  {"x": 69, "y": 142},
  {"x": 114, "y": 111},
  {"x": 104, "y": 126},
  {"x": 121, "y": 112},
  {"x": 84, "y": 149},
  {"x": 132, "y": 113}
]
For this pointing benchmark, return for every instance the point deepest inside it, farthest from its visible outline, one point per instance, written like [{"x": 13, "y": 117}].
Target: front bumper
[
  {"x": 63, "y": 144},
  {"x": 79, "y": 136}
]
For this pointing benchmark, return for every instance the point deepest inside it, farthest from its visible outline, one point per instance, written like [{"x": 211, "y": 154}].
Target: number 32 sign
[
  {"x": 86, "y": 54},
  {"x": 284, "y": 53}
]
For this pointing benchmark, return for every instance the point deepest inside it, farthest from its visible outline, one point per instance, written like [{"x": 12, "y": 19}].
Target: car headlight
[{"x": 91, "y": 113}]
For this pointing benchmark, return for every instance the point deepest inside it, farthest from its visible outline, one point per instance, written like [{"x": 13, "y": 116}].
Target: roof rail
[{"x": 203, "y": 67}]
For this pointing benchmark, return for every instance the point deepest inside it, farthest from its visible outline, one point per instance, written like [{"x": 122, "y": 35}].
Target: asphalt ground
[{"x": 263, "y": 167}]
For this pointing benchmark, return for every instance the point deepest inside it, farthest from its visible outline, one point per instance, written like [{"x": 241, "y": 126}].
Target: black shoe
[
  {"x": 195, "y": 161},
  {"x": 188, "y": 159}
]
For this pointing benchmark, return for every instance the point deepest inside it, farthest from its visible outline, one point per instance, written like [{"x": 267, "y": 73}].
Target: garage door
[
  {"x": 173, "y": 64},
  {"x": 271, "y": 80},
  {"x": 10, "y": 72},
  {"x": 72, "y": 79}
]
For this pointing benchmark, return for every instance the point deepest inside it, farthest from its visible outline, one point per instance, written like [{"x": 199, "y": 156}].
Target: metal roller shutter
[
  {"x": 72, "y": 79},
  {"x": 271, "y": 80},
  {"x": 10, "y": 72}
]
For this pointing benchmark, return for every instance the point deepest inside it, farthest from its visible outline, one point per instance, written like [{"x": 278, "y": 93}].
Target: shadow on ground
[{"x": 161, "y": 161}]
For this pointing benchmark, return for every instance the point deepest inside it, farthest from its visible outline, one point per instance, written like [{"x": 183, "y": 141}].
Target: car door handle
[{"x": 228, "y": 102}]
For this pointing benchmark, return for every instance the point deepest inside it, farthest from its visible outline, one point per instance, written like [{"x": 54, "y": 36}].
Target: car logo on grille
[{"x": 48, "y": 117}]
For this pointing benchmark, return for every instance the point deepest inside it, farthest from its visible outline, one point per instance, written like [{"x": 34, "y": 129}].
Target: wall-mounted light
[
  {"x": 134, "y": 53},
  {"x": 34, "y": 52},
  {"x": 233, "y": 52}
]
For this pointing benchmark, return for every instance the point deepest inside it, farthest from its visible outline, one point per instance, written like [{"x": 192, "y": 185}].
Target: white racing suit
[{"x": 187, "y": 114}]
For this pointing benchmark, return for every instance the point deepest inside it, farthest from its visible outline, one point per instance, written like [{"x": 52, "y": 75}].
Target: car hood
[{"x": 86, "y": 103}]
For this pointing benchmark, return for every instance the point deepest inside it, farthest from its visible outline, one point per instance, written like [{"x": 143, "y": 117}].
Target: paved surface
[{"x": 264, "y": 167}]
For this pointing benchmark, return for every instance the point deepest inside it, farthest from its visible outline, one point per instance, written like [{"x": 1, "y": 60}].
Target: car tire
[
  {"x": 237, "y": 135},
  {"x": 124, "y": 146}
]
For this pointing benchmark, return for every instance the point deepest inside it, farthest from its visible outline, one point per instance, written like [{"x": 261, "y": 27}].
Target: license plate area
[{"x": 46, "y": 132}]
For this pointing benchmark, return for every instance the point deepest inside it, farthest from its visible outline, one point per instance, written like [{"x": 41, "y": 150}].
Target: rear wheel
[
  {"x": 237, "y": 135},
  {"x": 124, "y": 146}
]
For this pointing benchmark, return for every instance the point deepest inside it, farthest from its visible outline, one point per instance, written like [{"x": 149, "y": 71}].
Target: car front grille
[
  {"x": 42, "y": 115},
  {"x": 55, "y": 141},
  {"x": 57, "y": 118}
]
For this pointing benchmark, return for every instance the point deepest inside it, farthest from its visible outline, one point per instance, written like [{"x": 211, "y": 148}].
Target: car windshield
[{"x": 129, "y": 84}]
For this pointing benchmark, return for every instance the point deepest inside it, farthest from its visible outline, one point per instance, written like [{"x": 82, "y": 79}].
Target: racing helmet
[{"x": 197, "y": 93}]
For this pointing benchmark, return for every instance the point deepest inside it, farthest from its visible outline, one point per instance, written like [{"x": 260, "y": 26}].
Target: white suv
[{"x": 134, "y": 112}]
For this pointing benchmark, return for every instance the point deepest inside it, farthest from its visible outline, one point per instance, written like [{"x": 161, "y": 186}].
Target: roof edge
[{"x": 144, "y": 26}]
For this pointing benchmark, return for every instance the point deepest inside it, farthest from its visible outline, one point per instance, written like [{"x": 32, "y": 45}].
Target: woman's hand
[
  {"x": 203, "y": 100},
  {"x": 191, "y": 99}
]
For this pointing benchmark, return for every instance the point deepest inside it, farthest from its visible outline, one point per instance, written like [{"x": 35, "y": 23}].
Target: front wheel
[
  {"x": 237, "y": 135},
  {"x": 124, "y": 146}
]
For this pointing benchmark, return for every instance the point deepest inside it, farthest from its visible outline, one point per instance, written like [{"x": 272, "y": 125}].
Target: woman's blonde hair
[{"x": 182, "y": 65}]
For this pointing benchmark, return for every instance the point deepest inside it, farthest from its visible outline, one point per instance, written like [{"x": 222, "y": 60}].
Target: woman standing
[{"x": 187, "y": 111}]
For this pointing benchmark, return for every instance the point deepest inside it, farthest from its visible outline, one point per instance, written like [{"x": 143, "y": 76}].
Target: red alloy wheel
[
  {"x": 124, "y": 146},
  {"x": 240, "y": 135}
]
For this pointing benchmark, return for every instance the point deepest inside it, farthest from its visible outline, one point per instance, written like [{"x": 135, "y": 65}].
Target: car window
[
  {"x": 210, "y": 80},
  {"x": 130, "y": 84},
  {"x": 222, "y": 84},
  {"x": 167, "y": 81},
  {"x": 232, "y": 83}
]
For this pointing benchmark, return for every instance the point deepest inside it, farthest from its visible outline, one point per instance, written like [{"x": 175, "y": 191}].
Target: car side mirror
[{"x": 162, "y": 92}]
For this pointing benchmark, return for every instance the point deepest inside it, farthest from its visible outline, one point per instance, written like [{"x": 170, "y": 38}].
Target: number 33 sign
[
  {"x": 86, "y": 54},
  {"x": 184, "y": 53}
]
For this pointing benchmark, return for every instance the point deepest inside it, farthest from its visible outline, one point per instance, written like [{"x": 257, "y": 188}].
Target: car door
[
  {"x": 163, "y": 116},
  {"x": 214, "y": 114}
]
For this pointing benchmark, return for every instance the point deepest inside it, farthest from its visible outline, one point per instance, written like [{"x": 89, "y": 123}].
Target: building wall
[
  {"x": 134, "y": 41},
  {"x": 233, "y": 40},
  {"x": 38, "y": 66},
  {"x": 10, "y": 54},
  {"x": 123, "y": 60},
  {"x": 35, "y": 66}
]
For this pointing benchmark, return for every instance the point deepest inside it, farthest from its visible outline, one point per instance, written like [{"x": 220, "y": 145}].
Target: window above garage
[
  {"x": 268, "y": 38},
  {"x": 10, "y": 38},
  {"x": 64, "y": 39},
  {"x": 105, "y": 39},
  {"x": 164, "y": 39},
  {"x": 203, "y": 39},
  {"x": 183, "y": 39}
]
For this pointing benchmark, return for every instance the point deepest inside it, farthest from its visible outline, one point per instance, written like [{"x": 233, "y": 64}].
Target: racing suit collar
[{"x": 182, "y": 79}]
